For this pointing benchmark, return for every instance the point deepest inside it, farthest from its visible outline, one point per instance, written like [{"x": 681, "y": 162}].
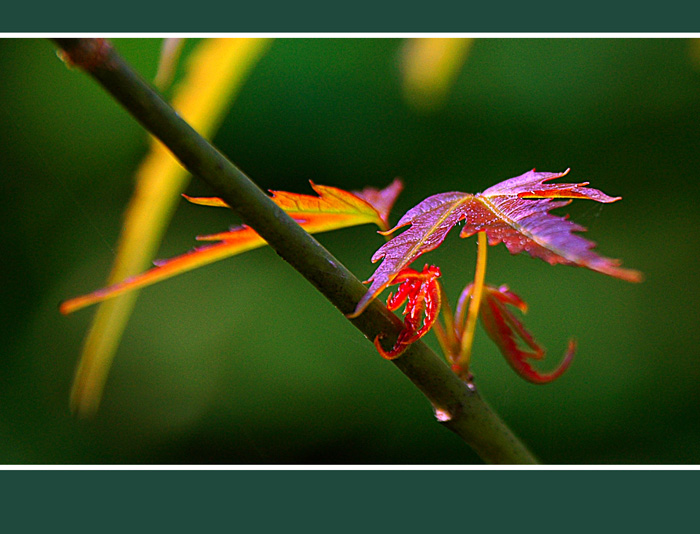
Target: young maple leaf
[
  {"x": 514, "y": 212},
  {"x": 509, "y": 334},
  {"x": 421, "y": 293},
  {"x": 332, "y": 209}
]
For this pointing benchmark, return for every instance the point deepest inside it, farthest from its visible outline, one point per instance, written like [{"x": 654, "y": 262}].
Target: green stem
[{"x": 458, "y": 407}]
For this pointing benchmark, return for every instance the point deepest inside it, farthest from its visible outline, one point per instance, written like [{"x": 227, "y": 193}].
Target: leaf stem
[
  {"x": 474, "y": 305},
  {"x": 457, "y": 406}
]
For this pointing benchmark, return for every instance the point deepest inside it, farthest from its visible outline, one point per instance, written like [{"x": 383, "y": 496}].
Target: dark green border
[
  {"x": 358, "y": 16},
  {"x": 351, "y": 501}
]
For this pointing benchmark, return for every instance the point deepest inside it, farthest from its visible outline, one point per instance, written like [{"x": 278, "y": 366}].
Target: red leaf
[
  {"x": 509, "y": 334},
  {"x": 421, "y": 293},
  {"x": 508, "y": 213}
]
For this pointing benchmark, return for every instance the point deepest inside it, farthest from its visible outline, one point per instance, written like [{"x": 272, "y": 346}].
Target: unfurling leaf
[
  {"x": 514, "y": 212},
  {"x": 515, "y": 343},
  {"x": 421, "y": 293},
  {"x": 332, "y": 209}
]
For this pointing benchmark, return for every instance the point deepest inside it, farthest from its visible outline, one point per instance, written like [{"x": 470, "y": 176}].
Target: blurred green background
[{"x": 243, "y": 362}]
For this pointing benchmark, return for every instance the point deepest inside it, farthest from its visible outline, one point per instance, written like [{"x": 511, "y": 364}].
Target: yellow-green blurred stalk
[
  {"x": 429, "y": 68},
  {"x": 695, "y": 52},
  {"x": 216, "y": 71}
]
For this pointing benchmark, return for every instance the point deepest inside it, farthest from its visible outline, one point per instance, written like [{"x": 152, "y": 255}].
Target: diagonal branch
[{"x": 458, "y": 407}]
